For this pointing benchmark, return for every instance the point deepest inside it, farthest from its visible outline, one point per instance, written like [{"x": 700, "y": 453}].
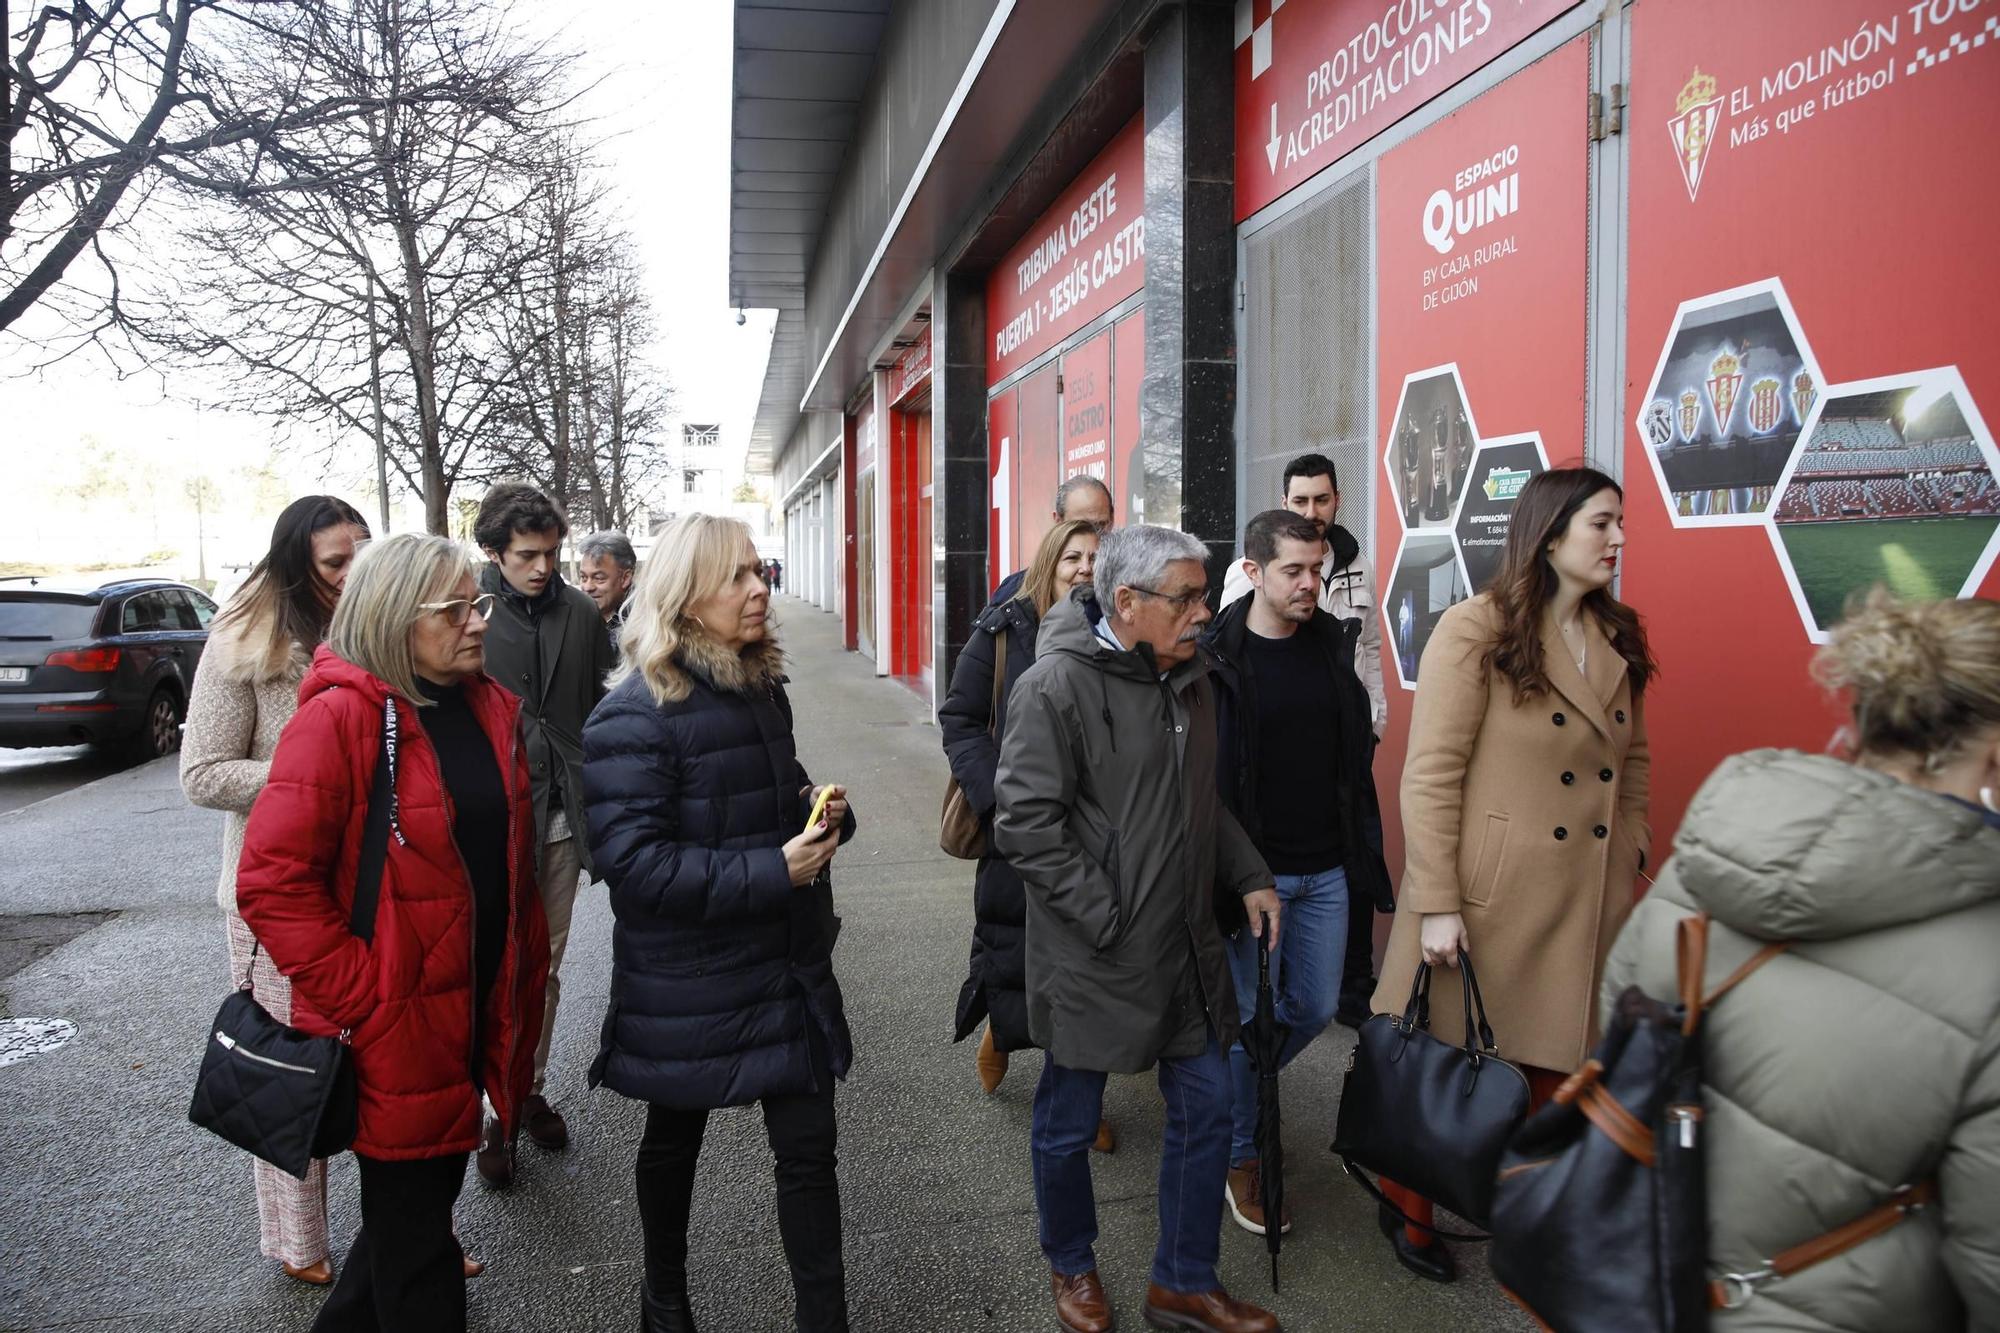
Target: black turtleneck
[{"x": 471, "y": 775}]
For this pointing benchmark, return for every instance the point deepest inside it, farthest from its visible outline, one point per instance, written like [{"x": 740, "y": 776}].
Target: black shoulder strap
[{"x": 375, "y": 833}]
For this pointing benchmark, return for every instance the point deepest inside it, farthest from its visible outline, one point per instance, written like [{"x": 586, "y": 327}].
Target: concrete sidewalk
[{"x": 116, "y": 1214}]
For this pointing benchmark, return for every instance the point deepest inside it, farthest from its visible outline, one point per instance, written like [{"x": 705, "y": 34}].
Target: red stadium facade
[{"x": 1730, "y": 254}]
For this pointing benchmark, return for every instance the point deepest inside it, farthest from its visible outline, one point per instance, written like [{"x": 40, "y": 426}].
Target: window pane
[{"x": 31, "y": 620}]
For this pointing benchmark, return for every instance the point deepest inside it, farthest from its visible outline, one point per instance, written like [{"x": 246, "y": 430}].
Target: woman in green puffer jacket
[{"x": 1867, "y": 1055}]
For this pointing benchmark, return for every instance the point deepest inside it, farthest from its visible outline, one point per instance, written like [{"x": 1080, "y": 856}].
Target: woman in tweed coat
[{"x": 245, "y": 693}]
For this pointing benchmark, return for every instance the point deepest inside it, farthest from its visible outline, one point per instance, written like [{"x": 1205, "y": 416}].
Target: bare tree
[
  {"x": 631, "y": 402},
  {"x": 386, "y": 284},
  {"x": 584, "y": 406},
  {"x": 107, "y": 100}
]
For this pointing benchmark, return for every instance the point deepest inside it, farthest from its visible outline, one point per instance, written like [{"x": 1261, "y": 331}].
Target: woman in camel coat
[{"x": 1524, "y": 797}]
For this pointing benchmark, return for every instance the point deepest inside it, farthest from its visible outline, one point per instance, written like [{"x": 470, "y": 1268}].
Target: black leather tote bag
[
  {"x": 1601, "y": 1217},
  {"x": 268, "y": 1088},
  {"x": 1431, "y": 1116}
]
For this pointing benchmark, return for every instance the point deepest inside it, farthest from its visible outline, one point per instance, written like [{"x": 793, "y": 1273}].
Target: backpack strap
[
  {"x": 1691, "y": 947},
  {"x": 1733, "y": 1290},
  {"x": 375, "y": 832}
]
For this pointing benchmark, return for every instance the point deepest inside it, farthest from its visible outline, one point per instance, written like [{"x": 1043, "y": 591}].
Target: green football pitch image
[{"x": 1920, "y": 559}]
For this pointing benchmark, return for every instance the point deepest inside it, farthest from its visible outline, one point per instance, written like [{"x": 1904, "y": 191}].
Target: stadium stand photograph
[{"x": 1894, "y": 485}]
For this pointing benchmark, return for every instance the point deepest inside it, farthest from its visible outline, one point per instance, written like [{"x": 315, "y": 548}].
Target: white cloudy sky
[{"x": 661, "y": 99}]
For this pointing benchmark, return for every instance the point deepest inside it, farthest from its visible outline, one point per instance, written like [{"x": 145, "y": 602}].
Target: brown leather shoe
[
  {"x": 496, "y": 1156},
  {"x": 1206, "y": 1312},
  {"x": 992, "y": 1062},
  {"x": 544, "y": 1123},
  {"x": 313, "y": 1275},
  {"x": 1246, "y": 1199},
  {"x": 1107, "y": 1139},
  {"x": 1080, "y": 1303}
]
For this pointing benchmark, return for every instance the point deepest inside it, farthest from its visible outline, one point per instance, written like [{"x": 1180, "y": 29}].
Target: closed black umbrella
[{"x": 1264, "y": 1042}]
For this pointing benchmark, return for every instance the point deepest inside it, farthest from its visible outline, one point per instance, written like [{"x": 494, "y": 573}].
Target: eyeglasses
[
  {"x": 457, "y": 611},
  {"x": 1181, "y": 602}
]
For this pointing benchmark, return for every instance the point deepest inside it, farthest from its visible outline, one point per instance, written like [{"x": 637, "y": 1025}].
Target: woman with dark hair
[
  {"x": 1524, "y": 798},
  {"x": 1004, "y": 641},
  {"x": 245, "y": 693}
]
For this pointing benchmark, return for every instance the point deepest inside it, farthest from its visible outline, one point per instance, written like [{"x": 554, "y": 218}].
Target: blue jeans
[
  {"x": 1194, "y": 1162},
  {"x": 1305, "y": 983}
]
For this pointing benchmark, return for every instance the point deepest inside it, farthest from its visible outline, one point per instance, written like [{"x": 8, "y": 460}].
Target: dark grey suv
[{"x": 110, "y": 665}]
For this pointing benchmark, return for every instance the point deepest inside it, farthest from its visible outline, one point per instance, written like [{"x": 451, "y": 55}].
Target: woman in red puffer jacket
[{"x": 445, "y": 1001}]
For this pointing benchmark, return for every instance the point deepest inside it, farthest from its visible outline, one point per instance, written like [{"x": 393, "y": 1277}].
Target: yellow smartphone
[{"x": 819, "y": 806}]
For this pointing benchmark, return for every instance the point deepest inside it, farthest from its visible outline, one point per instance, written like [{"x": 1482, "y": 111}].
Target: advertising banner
[
  {"x": 912, "y": 370},
  {"x": 1809, "y": 347},
  {"x": 1480, "y": 333},
  {"x": 1002, "y": 418},
  {"x": 1078, "y": 260},
  {"x": 1128, "y": 372},
  {"x": 1316, "y": 78},
  {"x": 1086, "y": 409}
]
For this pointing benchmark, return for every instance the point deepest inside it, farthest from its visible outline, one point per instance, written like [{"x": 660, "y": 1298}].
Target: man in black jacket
[
  {"x": 547, "y": 642},
  {"x": 1295, "y": 742}
]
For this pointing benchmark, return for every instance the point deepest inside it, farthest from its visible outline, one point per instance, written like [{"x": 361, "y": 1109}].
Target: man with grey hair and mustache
[{"x": 1107, "y": 806}]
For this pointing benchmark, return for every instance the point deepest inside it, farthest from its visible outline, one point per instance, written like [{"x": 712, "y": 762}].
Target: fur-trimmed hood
[{"x": 758, "y": 667}]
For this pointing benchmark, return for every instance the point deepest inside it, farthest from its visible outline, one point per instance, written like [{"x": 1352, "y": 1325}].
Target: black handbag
[
  {"x": 1431, "y": 1116},
  {"x": 268, "y": 1088},
  {"x": 1601, "y": 1216}
]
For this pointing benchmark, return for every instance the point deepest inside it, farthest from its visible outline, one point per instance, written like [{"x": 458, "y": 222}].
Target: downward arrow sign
[{"x": 1271, "y": 148}]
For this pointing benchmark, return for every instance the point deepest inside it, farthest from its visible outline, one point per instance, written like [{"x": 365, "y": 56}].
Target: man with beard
[
  {"x": 1311, "y": 489},
  {"x": 1295, "y": 745}
]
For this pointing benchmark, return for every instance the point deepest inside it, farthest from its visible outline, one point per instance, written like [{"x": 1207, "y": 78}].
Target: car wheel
[{"x": 160, "y": 731}]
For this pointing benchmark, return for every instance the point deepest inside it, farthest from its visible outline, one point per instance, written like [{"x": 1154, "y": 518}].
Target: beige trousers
[
  {"x": 291, "y": 1213},
  {"x": 560, "y": 867}
]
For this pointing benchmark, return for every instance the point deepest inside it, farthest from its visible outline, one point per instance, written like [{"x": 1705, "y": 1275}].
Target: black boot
[
  {"x": 670, "y": 1313},
  {"x": 1432, "y": 1261}
]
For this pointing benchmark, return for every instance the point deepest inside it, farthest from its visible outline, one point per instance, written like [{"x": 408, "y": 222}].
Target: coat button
[
  {"x": 1560, "y": 719},
  {"x": 1604, "y": 775},
  {"x": 1600, "y": 831},
  {"x": 1620, "y": 715},
  {"x": 1568, "y": 778},
  {"x": 1561, "y": 833}
]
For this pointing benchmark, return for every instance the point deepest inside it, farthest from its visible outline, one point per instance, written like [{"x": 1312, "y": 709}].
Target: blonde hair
[
  {"x": 1040, "y": 583},
  {"x": 377, "y": 613},
  {"x": 695, "y": 558},
  {"x": 1924, "y": 676}
]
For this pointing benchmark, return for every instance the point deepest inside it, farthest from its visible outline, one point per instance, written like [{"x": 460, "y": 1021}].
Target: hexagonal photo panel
[
  {"x": 1426, "y": 580},
  {"x": 1735, "y": 381},
  {"x": 1500, "y": 468},
  {"x": 1431, "y": 441},
  {"x": 1898, "y": 483}
]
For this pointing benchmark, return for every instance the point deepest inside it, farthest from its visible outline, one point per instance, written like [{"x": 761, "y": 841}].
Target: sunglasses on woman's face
[{"x": 459, "y": 610}]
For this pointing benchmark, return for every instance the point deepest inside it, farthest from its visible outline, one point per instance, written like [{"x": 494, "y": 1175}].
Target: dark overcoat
[
  {"x": 555, "y": 656},
  {"x": 996, "y": 987},
  {"x": 1108, "y": 809}
]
